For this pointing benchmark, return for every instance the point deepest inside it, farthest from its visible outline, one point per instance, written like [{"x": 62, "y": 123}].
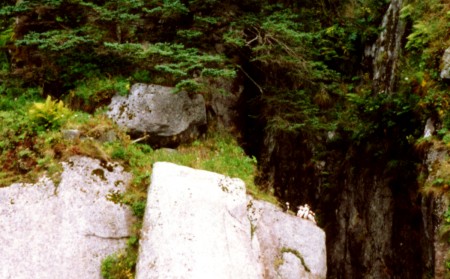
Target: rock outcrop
[
  {"x": 433, "y": 208},
  {"x": 63, "y": 231},
  {"x": 196, "y": 226},
  {"x": 445, "y": 65},
  {"x": 200, "y": 224},
  {"x": 387, "y": 49},
  {"x": 164, "y": 118},
  {"x": 291, "y": 247},
  {"x": 429, "y": 128}
]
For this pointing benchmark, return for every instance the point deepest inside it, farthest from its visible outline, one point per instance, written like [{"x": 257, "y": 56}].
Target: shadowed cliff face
[
  {"x": 364, "y": 191},
  {"x": 373, "y": 216},
  {"x": 365, "y": 196}
]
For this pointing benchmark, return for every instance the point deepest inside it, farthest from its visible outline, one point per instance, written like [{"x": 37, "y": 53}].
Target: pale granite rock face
[
  {"x": 63, "y": 231},
  {"x": 291, "y": 247},
  {"x": 200, "y": 224}
]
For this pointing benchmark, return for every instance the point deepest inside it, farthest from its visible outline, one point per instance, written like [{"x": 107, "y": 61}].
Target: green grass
[
  {"x": 217, "y": 152},
  {"x": 93, "y": 93}
]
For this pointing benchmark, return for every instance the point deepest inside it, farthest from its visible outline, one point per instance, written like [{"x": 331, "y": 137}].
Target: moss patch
[{"x": 297, "y": 254}]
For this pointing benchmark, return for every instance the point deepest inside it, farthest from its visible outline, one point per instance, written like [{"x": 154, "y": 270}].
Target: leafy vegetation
[
  {"x": 49, "y": 115},
  {"x": 426, "y": 42},
  {"x": 93, "y": 93},
  {"x": 118, "y": 266}
]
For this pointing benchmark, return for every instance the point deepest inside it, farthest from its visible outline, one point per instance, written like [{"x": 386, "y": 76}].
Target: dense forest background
[
  {"x": 306, "y": 57},
  {"x": 304, "y": 65}
]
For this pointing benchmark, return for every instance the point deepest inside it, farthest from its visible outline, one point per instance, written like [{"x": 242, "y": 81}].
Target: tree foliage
[
  {"x": 60, "y": 36},
  {"x": 297, "y": 54}
]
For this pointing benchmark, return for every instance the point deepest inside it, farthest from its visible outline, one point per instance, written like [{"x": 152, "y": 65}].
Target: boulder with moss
[
  {"x": 63, "y": 230},
  {"x": 159, "y": 116}
]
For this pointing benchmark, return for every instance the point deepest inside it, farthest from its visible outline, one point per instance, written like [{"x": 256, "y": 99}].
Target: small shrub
[
  {"x": 189, "y": 85},
  {"x": 118, "y": 266},
  {"x": 442, "y": 132},
  {"x": 138, "y": 208},
  {"x": 25, "y": 152},
  {"x": 445, "y": 231},
  {"x": 438, "y": 182},
  {"x": 141, "y": 76},
  {"x": 189, "y": 34},
  {"x": 447, "y": 216},
  {"x": 5, "y": 37},
  {"x": 133, "y": 241},
  {"x": 50, "y": 114},
  {"x": 96, "y": 92},
  {"x": 422, "y": 34},
  {"x": 446, "y": 138}
]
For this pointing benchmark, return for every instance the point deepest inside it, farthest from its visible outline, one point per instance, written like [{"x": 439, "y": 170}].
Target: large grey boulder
[
  {"x": 196, "y": 226},
  {"x": 165, "y": 118},
  {"x": 200, "y": 224},
  {"x": 445, "y": 65},
  {"x": 63, "y": 231},
  {"x": 291, "y": 247}
]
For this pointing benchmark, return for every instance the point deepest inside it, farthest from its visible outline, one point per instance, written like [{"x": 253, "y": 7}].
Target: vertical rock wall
[
  {"x": 386, "y": 51},
  {"x": 433, "y": 209}
]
